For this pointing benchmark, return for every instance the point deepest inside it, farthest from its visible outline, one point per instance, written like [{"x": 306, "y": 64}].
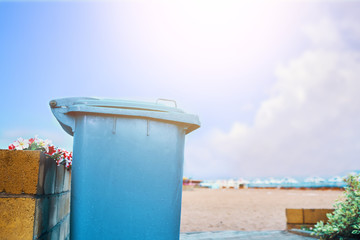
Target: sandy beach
[{"x": 247, "y": 209}]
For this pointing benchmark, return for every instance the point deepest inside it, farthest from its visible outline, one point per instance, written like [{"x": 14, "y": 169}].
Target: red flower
[
  {"x": 31, "y": 140},
  {"x": 52, "y": 150},
  {"x": 11, "y": 147}
]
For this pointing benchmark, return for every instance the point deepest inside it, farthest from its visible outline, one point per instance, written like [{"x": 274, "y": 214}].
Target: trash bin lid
[{"x": 65, "y": 108}]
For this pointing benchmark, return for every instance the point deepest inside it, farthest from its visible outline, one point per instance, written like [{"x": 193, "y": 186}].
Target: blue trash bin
[{"x": 127, "y": 169}]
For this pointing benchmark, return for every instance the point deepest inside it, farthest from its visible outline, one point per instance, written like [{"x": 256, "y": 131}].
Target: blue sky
[{"x": 275, "y": 83}]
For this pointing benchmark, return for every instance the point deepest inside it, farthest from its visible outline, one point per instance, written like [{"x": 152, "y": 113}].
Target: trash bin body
[{"x": 127, "y": 171}]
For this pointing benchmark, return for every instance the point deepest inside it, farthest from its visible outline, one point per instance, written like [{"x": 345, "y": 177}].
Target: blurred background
[{"x": 275, "y": 83}]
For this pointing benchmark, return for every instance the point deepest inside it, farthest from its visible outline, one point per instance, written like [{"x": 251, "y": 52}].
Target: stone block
[
  {"x": 42, "y": 171},
  {"x": 59, "y": 182},
  {"x": 19, "y": 171},
  {"x": 294, "y": 216},
  {"x": 41, "y": 216},
  {"x": 66, "y": 226},
  {"x": 67, "y": 203},
  {"x": 16, "y": 218},
  {"x": 61, "y": 207},
  {"x": 55, "y": 233},
  {"x": 312, "y": 216},
  {"x": 49, "y": 177},
  {"x": 64, "y": 229},
  {"x": 67, "y": 180},
  {"x": 53, "y": 211},
  {"x": 43, "y": 237}
]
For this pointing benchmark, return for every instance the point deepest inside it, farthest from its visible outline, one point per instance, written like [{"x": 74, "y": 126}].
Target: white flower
[
  {"x": 21, "y": 144},
  {"x": 36, "y": 139},
  {"x": 44, "y": 143}
]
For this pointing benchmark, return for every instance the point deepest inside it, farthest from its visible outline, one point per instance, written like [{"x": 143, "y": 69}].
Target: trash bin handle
[{"x": 168, "y": 100}]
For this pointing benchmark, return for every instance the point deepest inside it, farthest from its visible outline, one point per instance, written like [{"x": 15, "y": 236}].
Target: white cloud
[
  {"x": 324, "y": 34},
  {"x": 308, "y": 126}
]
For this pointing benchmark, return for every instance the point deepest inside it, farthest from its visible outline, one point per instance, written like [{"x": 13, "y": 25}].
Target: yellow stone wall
[
  {"x": 34, "y": 197},
  {"x": 19, "y": 171},
  {"x": 16, "y": 218}
]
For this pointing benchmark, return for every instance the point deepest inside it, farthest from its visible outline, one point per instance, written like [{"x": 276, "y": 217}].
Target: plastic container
[{"x": 127, "y": 169}]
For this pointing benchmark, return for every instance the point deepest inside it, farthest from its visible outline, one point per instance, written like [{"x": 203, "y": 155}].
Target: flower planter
[{"x": 34, "y": 196}]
